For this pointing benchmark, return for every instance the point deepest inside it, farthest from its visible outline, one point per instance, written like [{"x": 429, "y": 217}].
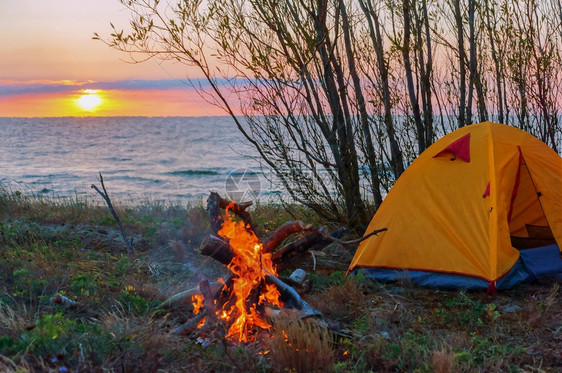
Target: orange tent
[{"x": 480, "y": 207}]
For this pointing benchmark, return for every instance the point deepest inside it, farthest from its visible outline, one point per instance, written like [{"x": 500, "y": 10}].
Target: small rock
[
  {"x": 510, "y": 308},
  {"x": 298, "y": 276}
]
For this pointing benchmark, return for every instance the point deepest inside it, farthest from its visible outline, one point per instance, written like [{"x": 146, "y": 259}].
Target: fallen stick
[
  {"x": 339, "y": 233},
  {"x": 105, "y": 196},
  {"x": 353, "y": 242},
  {"x": 64, "y": 301}
]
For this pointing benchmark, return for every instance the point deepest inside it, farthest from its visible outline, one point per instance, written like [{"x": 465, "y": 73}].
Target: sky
[{"x": 50, "y": 66}]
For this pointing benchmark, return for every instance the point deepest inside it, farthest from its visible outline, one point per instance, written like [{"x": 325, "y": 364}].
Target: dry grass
[
  {"x": 344, "y": 302},
  {"x": 300, "y": 345},
  {"x": 443, "y": 361},
  {"x": 71, "y": 247},
  {"x": 7, "y": 365}
]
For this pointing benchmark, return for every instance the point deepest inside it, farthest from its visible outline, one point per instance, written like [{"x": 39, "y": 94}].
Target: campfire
[
  {"x": 249, "y": 267},
  {"x": 254, "y": 288}
]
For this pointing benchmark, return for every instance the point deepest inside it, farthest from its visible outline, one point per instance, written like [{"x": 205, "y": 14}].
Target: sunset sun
[{"x": 90, "y": 100}]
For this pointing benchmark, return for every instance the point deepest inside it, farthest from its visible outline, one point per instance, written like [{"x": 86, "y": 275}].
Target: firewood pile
[{"x": 254, "y": 291}]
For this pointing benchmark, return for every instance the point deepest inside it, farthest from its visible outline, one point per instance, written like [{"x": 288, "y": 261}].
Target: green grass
[{"x": 72, "y": 247}]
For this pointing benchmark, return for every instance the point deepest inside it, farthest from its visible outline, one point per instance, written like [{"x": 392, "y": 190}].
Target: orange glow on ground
[{"x": 147, "y": 102}]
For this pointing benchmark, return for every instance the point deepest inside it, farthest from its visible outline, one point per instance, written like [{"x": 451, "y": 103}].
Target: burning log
[
  {"x": 284, "y": 231},
  {"x": 242, "y": 299},
  {"x": 221, "y": 250},
  {"x": 313, "y": 239},
  {"x": 291, "y": 298},
  {"x": 185, "y": 297},
  {"x": 190, "y": 325},
  {"x": 215, "y": 202},
  {"x": 217, "y": 249},
  {"x": 204, "y": 298},
  {"x": 208, "y": 298}
]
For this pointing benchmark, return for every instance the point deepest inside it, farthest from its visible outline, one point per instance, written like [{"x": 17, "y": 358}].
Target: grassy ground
[{"x": 72, "y": 248}]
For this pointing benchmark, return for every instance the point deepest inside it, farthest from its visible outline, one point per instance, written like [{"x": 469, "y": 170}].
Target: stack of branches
[{"x": 219, "y": 249}]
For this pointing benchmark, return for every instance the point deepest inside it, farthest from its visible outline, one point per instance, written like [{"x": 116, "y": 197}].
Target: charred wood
[
  {"x": 215, "y": 202},
  {"x": 310, "y": 238},
  {"x": 217, "y": 249},
  {"x": 208, "y": 298},
  {"x": 191, "y": 324},
  {"x": 313, "y": 239},
  {"x": 208, "y": 313}
]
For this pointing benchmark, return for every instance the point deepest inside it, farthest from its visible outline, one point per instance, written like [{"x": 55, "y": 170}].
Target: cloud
[{"x": 10, "y": 87}]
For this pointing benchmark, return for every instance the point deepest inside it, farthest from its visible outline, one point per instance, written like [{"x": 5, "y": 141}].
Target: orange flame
[
  {"x": 202, "y": 322},
  {"x": 249, "y": 267},
  {"x": 197, "y": 300}
]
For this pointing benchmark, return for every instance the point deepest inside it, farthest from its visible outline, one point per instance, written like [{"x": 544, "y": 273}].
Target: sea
[{"x": 165, "y": 159}]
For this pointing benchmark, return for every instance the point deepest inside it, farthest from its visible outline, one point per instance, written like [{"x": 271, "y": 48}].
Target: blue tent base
[{"x": 531, "y": 265}]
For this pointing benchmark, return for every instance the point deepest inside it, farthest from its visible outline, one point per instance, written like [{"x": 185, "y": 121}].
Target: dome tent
[{"x": 480, "y": 208}]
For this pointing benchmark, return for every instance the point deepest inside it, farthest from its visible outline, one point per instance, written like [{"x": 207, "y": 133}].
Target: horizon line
[{"x": 112, "y": 116}]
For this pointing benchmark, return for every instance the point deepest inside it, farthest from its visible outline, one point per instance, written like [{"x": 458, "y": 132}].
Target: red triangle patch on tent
[{"x": 459, "y": 148}]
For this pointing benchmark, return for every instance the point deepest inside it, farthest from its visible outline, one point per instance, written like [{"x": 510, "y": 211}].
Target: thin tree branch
[{"x": 105, "y": 196}]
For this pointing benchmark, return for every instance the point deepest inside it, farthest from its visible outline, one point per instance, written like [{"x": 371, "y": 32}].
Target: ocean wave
[
  {"x": 272, "y": 192},
  {"x": 117, "y": 172},
  {"x": 244, "y": 171},
  {"x": 135, "y": 178},
  {"x": 192, "y": 173},
  {"x": 57, "y": 175},
  {"x": 117, "y": 159}
]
